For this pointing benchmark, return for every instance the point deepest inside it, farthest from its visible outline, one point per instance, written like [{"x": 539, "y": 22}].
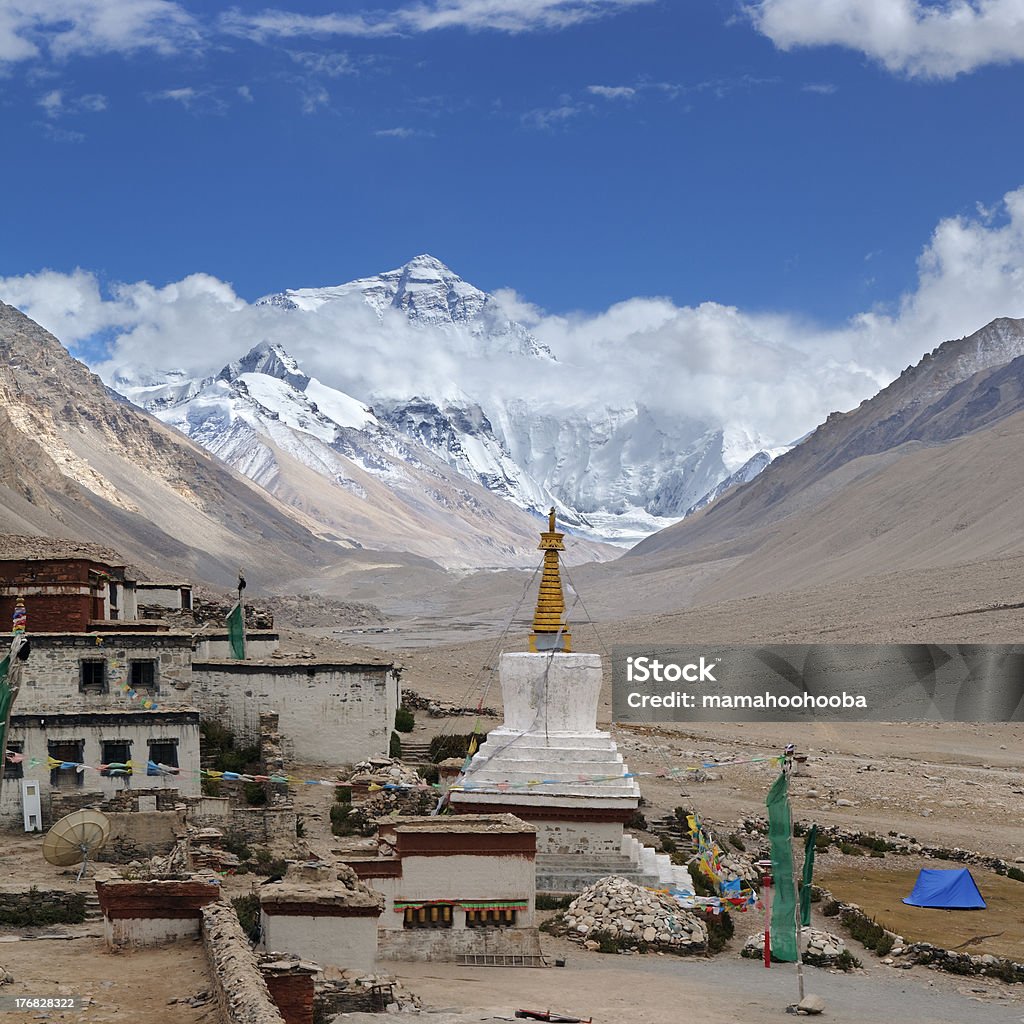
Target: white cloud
[
  {"x": 66, "y": 28},
  {"x": 55, "y": 103},
  {"x": 783, "y": 373},
  {"x": 314, "y": 99},
  {"x": 512, "y": 16},
  {"x": 403, "y": 133},
  {"x": 938, "y": 39},
  {"x": 612, "y": 92},
  {"x": 823, "y": 88},
  {"x": 333, "y": 65},
  {"x": 549, "y": 118},
  {"x": 245, "y": 93}
]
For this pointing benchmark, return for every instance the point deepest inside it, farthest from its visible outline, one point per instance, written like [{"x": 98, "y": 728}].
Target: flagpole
[
  {"x": 15, "y": 659},
  {"x": 787, "y": 767}
]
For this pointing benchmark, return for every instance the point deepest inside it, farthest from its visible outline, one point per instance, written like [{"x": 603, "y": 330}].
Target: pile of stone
[
  {"x": 820, "y": 948},
  {"x": 383, "y": 771},
  {"x": 344, "y": 991},
  {"x": 364, "y": 817},
  {"x": 617, "y": 908},
  {"x": 440, "y": 708}
]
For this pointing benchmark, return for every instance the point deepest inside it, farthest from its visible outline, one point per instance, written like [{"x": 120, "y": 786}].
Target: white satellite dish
[{"x": 75, "y": 838}]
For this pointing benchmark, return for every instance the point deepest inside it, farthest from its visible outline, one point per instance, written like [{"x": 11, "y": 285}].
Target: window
[
  {"x": 14, "y": 769},
  {"x": 142, "y": 675},
  {"x": 491, "y": 917},
  {"x": 69, "y": 751},
  {"x": 116, "y": 752},
  {"x": 162, "y": 752},
  {"x": 434, "y": 915},
  {"x": 92, "y": 677}
]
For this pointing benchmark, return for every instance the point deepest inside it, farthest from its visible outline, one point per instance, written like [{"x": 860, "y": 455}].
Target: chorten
[{"x": 548, "y": 763}]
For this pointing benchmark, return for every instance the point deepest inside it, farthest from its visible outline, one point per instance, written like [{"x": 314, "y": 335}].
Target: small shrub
[
  {"x": 272, "y": 866},
  {"x": 554, "y": 925},
  {"x": 210, "y": 787},
  {"x": 831, "y": 909},
  {"x": 738, "y": 843},
  {"x": 431, "y": 774},
  {"x": 453, "y": 745},
  {"x": 720, "y": 931},
  {"x": 300, "y": 827},
  {"x": 405, "y": 720},
  {"x": 846, "y": 961},
  {"x": 637, "y": 821},
  {"x": 608, "y": 943},
  {"x": 552, "y": 901},
  {"x": 235, "y": 844},
  {"x": 821, "y": 842},
  {"x": 248, "y": 910},
  {"x": 395, "y": 747},
  {"x": 343, "y": 794},
  {"x": 850, "y": 850},
  {"x": 255, "y": 794},
  {"x": 701, "y": 884},
  {"x": 877, "y": 853},
  {"x": 681, "y": 814},
  {"x": 1016, "y": 874},
  {"x": 668, "y": 844}
]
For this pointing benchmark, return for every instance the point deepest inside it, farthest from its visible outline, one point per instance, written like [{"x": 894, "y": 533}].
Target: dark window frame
[
  {"x": 105, "y": 758},
  {"x": 57, "y": 774},
  {"x": 91, "y": 686},
  {"x": 152, "y": 687},
  {"x": 434, "y": 915}
]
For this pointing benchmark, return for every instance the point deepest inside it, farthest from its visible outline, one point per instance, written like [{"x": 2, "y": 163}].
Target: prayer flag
[
  {"x": 236, "y": 631},
  {"x": 780, "y": 831}
]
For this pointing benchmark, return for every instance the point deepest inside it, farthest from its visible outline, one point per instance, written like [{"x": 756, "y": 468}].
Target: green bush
[
  {"x": 637, "y": 821},
  {"x": 668, "y": 844},
  {"x": 870, "y": 934},
  {"x": 255, "y": 793},
  {"x": 395, "y": 747},
  {"x": 821, "y": 842},
  {"x": 343, "y": 794},
  {"x": 248, "y": 910},
  {"x": 405, "y": 720},
  {"x": 551, "y": 901},
  {"x": 1016, "y": 874},
  {"x": 453, "y": 745},
  {"x": 210, "y": 787},
  {"x": 850, "y": 850},
  {"x": 738, "y": 843},
  {"x": 341, "y": 823},
  {"x": 235, "y": 844},
  {"x": 720, "y": 931},
  {"x": 846, "y": 961},
  {"x": 831, "y": 909},
  {"x": 38, "y": 913},
  {"x": 431, "y": 773}
]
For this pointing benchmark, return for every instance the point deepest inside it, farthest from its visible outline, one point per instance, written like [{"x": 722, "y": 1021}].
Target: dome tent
[{"x": 946, "y": 889}]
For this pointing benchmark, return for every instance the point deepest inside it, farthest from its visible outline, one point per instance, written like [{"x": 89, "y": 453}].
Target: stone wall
[
  {"x": 448, "y": 944},
  {"x": 329, "y": 714},
  {"x": 242, "y": 992},
  {"x": 260, "y": 825},
  {"x": 89, "y": 731},
  {"x": 51, "y": 677},
  {"x": 138, "y": 835},
  {"x": 46, "y": 906},
  {"x": 293, "y": 995}
]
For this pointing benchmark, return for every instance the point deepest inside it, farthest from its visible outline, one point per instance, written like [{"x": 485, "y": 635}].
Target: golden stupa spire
[{"x": 549, "y": 630}]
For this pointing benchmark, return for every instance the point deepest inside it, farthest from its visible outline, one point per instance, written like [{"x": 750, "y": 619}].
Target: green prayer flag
[
  {"x": 805, "y": 883},
  {"x": 780, "y": 831},
  {"x": 6, "y": 699},
  {"x": 236, "y": 631}
]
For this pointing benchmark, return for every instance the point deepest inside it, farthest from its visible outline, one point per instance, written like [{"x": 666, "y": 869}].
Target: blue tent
[{"x": 946, "y": 888}]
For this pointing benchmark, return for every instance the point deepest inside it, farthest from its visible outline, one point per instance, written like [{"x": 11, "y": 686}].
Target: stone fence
[
  {"x": 242, "y": 992},
  {"x": 40, "y": 907}
]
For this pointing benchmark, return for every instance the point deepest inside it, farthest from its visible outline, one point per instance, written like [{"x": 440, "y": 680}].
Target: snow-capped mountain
[
  {"x": 327, "y": 453},
  {"x": 429, "y": 295},
  {"x": 614, "y": 472},
  {"x": 617, "y": 473}
]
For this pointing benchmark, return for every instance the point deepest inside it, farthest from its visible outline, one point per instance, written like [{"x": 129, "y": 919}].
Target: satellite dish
[{"x": 75, "y": 838}]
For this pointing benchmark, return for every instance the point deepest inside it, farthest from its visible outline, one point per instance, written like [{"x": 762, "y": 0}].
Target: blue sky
[
  {"x": 845, "y": 172},
  {"x": 651, "y": 149}
]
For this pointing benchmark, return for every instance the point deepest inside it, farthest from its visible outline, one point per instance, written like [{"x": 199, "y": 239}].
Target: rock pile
[
  {"x": 383, "y": 771},
  {"x": 617, "y": 908},
  {"x": 820, "y": 949},
  {"x": 442, "y": 709},
  {"x": 344, "y": 991}
]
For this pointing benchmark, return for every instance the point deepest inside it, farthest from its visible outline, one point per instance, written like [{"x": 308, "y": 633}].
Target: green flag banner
[
  {"x": 780, "y": 831},
  {"x": 6, "y": 699},
  {"x": 236, "y": 631},
  {"x": 805, "y": 883}
]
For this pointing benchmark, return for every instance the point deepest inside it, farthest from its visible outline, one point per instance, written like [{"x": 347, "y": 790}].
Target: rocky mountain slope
[
  {"x": 78, "y": 461},
  {"x": 925, "y": 475},
  {"x": 364, "y": 481}
]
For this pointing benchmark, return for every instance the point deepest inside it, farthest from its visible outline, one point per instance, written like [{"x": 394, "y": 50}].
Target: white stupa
[{"x": 549, "y": 764}]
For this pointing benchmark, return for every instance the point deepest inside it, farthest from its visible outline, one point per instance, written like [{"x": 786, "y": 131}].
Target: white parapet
[{"x": 551, "y": 693}]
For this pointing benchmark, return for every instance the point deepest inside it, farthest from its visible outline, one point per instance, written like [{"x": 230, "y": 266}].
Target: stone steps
[{"x": 92, "y": 907}]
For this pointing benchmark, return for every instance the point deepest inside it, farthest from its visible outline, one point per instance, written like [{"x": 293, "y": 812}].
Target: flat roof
[{"x": 458, "y": 823}]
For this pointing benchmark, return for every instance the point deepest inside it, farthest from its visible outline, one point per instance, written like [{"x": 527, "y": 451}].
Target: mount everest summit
[{"x": 493, "y": 413}]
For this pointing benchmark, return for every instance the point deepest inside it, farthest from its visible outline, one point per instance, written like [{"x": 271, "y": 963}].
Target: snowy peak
[
  {"x": 268, "y": 359},
  {"x": 428, "y": 294}
]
